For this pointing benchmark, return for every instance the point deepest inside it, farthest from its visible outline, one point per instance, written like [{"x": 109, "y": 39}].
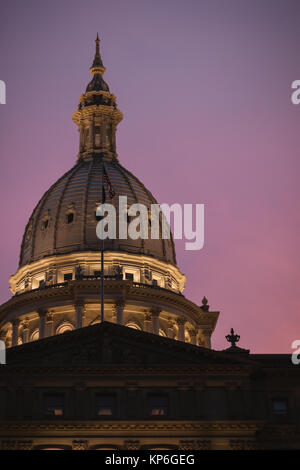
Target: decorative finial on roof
[
  {"x": 205, "y": 306},
  {"x": 97, "y": 66},
  {"x": 232, "y": 338}
]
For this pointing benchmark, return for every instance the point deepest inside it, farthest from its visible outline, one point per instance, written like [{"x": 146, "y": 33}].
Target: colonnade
[{"x": 151, "y": 324}]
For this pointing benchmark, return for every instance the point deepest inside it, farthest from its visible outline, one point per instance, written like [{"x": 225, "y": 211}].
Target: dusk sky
[{"x": 205, "y": 88}]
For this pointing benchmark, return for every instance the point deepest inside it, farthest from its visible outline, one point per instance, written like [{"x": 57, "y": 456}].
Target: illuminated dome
[{"x": 64, "y": 221}]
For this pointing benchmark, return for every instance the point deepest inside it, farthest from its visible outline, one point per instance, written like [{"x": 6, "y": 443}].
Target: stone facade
[{"x": 154, "y": 392}]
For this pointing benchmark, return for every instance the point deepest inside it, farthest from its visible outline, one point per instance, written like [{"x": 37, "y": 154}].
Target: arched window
[
  {"x": 132, "y": 324},
  {"x": 52, "y": 447},
  {"x": 35, "y": 335},
  {"x": 64, "y": 327}
]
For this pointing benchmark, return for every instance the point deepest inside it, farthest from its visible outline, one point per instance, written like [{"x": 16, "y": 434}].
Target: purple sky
[{"x": 205, "y": 91}]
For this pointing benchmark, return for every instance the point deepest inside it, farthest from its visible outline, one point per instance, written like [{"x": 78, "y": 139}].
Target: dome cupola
[{"x": 97, "y": 115}]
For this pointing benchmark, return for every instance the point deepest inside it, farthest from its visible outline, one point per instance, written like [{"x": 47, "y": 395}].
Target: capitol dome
[
  {"x": 64, "y": 220},
  {"x": 57, "y": 285}
]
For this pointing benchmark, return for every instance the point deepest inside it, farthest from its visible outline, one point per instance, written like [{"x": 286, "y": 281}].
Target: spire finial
[
  {"x": 97, "y": 66},
  {"x": 233, "y": 338},
  {"x": 205, "y": 306}
]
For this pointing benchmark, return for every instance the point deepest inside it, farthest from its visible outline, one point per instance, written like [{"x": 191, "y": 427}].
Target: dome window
[
  {"x": 100, "y": 217},
  {"x": 70, "y": 214},
  {"x": 29, "y": 231},
  {"x": 45, "y": 223},
  {"x": 70, "y": 217}
]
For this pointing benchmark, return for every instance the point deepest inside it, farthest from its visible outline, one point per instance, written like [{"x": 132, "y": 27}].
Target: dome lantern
[{"x": 97, "y": 115}]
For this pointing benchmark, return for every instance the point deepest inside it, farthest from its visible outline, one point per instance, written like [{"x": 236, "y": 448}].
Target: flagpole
[
  {"x": 102, "y": 258},
  {"x": 102, "y": 280},
  {"x": 111, "y": 192}
]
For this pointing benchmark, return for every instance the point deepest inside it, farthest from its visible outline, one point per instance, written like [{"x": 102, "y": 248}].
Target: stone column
[
  {"x": 119, "y": 307},
  {"x": 206, "y": 335},
  {"x": 170, "y": 330},
  {"x": 25, "y": 331},
  {"x": 42, "y": 314},
  {"x": 181, "y": 322},
  {"x": 155, "y": 311},
  {"x": 79, "y": 306},
  {"x": 15, "y": 331},
  {"x": 49, "y": 324},
  {"x": 148, "y": 322},
  {"x": 193, "y": 336}
]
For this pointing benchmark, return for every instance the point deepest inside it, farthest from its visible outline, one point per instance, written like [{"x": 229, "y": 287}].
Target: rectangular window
[
  {"x": 280, "y": 407},
  {"x": 105, "y": 405},
  {"x": 154, "y": 282},
  {"x": 54, "y": 405},
  {"x": 97, "y": 273},
  {"x": 68, "y": 277},
  {"x": 158, "y": 405},
  {"x": 97, "y": 136},
  {"x": 129, "y": 276}
]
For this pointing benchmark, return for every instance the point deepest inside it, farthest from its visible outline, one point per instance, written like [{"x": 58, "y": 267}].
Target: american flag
[{"x": 109, "y": 187}]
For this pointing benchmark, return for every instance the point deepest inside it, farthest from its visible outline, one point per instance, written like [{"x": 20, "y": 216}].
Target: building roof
[{"x": 109, "y": 344}]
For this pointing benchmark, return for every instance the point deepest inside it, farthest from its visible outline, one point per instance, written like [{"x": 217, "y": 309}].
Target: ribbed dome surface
[{"x": 52, "y": 230}]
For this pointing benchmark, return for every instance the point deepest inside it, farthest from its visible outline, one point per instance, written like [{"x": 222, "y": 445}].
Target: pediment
[{"x": 108, "y": 343}]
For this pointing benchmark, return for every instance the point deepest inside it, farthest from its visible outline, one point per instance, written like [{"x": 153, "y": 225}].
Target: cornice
[
  {"x": 96, "y": 427},
  {"x": 128, "y": 370}
]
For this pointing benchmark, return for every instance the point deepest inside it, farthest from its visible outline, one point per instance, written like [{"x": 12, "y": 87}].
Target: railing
[{"x": 117, "y": 277}]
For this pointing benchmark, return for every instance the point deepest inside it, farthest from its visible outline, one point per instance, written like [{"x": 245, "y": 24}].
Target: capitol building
[
  {"x": 56, "y": 287},
  {"x": 146, "y": 377}
]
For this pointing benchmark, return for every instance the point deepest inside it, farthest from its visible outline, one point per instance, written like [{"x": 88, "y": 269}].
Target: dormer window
[
  {"x": 45, "y": 223},
  {"x": 70, "y": 217},
  {"x": 70, "y": 214},
  {"x": 100, "y": 217}
]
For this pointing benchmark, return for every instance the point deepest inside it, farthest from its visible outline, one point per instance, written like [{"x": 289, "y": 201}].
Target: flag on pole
[{"x": 109, "y": 186}]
